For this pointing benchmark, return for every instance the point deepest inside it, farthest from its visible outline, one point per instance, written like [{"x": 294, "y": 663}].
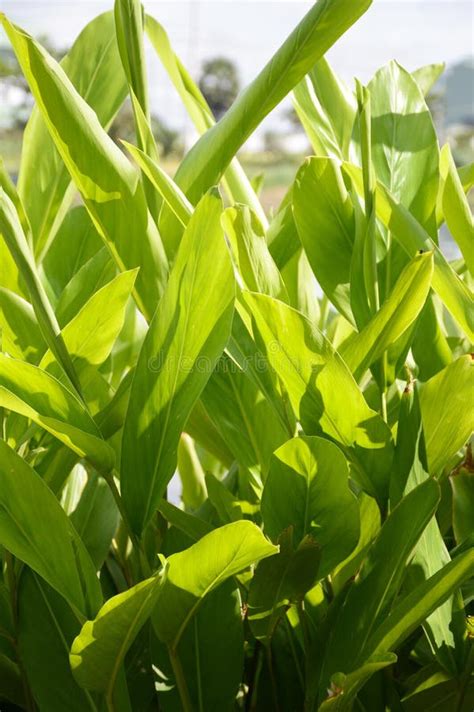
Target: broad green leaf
[
  {"x": 225, "y": 503},
  {"x": 370, "y": 597},
  {"x": 344, "y": 688},
  {"x": 396, "y": 314},
  {"x": 304, "y": 292},
  {"x": 414, "y": 608},
  {"x": 308, "y": 488},
  {"x": 454, "y": 207},
  {"x": 462, "y": 484},
  {"x": 11, "y": 683},
  {"x": 466, "y": 176},
  {"x": 441, "y": 694},
  {"x": 17, "y": 243},
  {"x": 47, "y": 543},
  {"x": 319, "y": 386},
  {"x": 447, "y": 422},
  {"x": 197, "y": 571},
  {"x": 430, "y": 347},
  {"x": 249, "y": 249},
  {"x": 243, "y": 416},
  {"x": 212, "y": 663},
  {"x": 324, "y": 217},
  {"x": 327, "y": 110},
  {"x": 203, "y": 430},
  {"x": 96, "y": 518},
  {"x": 98, "y": 652},
  {"x": 445, "y": 627},
  {"x": 186, "y": 337},
  {"x": 189, "y": 524},
  {"x": 93, "y": 67},
  {"x": 74, "y": 244},
  {"x": 404, "y": 142},
  {"x": 48, "y": 625},
  {"x": 20, "y": 334},
  {"x": 412, "y": 237},
  {"x": 94, "y": 274},
  {"x": 315, "y": 34},
  {"x": 109, "y": 185},
  {"x": 32, "y": 392},
  {"x": 91, "y": 334},
  {"x": 427, "y": 76},
  {"x": 370, "y": 523},
  {"x": 281, "y": 581}
]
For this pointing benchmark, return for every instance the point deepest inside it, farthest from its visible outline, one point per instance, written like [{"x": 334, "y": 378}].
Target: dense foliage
[{"x": 308, "y": 375}]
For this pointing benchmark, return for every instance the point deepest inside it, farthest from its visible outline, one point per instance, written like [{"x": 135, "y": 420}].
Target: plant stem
[
  {"x": 180, "y": 680},
  {"x": 109, "y": 478}
]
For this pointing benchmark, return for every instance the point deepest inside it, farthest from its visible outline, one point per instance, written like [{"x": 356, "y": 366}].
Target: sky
[{"x": 414, "y": 32}]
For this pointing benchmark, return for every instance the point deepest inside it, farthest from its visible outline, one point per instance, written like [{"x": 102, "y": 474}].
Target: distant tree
[
  {"x": 123, "y": 127},
  {"x": 219, "y": 82}
]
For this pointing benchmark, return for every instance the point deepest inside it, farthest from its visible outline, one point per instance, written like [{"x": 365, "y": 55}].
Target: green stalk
[{"x": 180, "y": 680}]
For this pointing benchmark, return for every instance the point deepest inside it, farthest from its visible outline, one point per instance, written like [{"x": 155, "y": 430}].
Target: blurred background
[{"x": 224, "y": 43}]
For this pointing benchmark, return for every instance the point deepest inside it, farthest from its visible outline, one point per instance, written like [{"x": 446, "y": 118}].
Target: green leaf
[
  {"x": 176, "y": 360},
  {"x": 280, "y": 581},
  {"x": 396, "y": 314},
  {"x": 412, "y": 237},
  {"x": 243, "y": 416},
  {"x": 96, "y": 518},
  {"x": 427, "y": 76},
  {"x": 109, "y": 185},
  {"x": 327, "y": 110},
  {"x": 404, "y": 142},
  {"x": 17, "y": 243},
  {"x": 319, "y": 386},
  {"x": 414, "y": 608},
  {"x": 447, "y": 420},
  {"x": 344, "y": 688},
  {"x": 189, "y": 524},
  {"x": 98, "y": 652},
  {"x": 28, "y": 390},
  {"x": 75, "y": 242},
  {"x": 308, "y": 488},
  {"x": 369, "y": 599},
  {"x": 316, "y": 33},
  {"x": 91, "y": 334},
  {"x": 212, "y": 663},
  {"x": 237, "y": 185},
  {"x": 453, "y": 205},
  {"x": 47, "y": 623},
  {"x": 93, "y": 67},
  {"x": 20, "y": 334},
  {"x": 197, "y": 571},
  {"x": 249, "y": 249},
  {"x": 324, "y": 217},
  {"x": 462, "y": 484},
  {"x": 48, "y": 543},
  {"x": 93, "y": 275},
  {"x": 169, "y": 191}
]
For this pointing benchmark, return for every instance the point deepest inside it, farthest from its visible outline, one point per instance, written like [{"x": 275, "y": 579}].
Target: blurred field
[{"x": 279, "y": 169}]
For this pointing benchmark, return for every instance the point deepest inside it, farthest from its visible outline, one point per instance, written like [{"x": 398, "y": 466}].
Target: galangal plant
[{"x": 307, "y": 374}]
